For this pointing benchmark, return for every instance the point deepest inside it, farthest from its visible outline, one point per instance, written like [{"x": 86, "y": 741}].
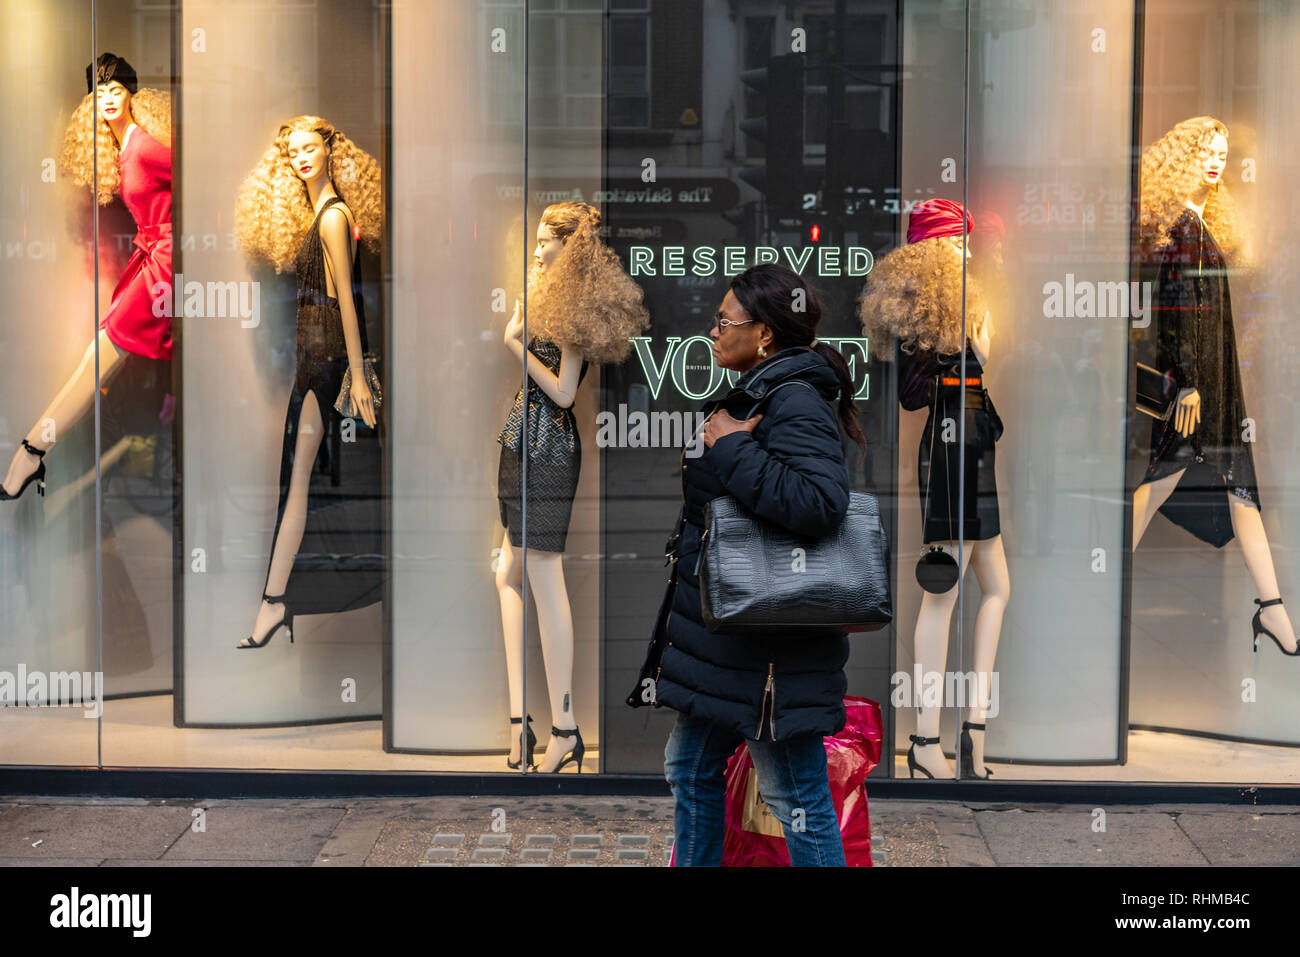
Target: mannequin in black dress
[
  {"x": 913, "y": 297},
  {"x": 1201, "y": 473},
  {"x": 583, "y": 308},
  {"x": 295, "y": 185}
]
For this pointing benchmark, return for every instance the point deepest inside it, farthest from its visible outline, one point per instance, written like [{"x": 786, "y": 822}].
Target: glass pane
[
  {"x": 459, "y": 254},
  {"x": 1213, "y": 509},
  {"x": 1049, "y": 176},
  {"x": 281, "y": 495},
  {"x": 48, "y": 650}
]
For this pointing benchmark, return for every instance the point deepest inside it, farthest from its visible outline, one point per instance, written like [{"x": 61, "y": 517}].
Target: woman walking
[{"x": 785, "y": 464}]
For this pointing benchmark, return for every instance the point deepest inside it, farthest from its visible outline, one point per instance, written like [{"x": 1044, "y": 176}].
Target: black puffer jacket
[{"x": 791, "y": 471}]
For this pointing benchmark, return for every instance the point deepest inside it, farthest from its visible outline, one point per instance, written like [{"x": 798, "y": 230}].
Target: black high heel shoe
[
  {"x": 286, "y": 621},
  {"x": 914, "y": 765},
  {"x": 1258, "y": 627},
  {"x": 575, "y": 752},
  {"x": 38, "y": 476},
  {"x": 968, "y": 752},
  {"x": 526, "y": 750}
]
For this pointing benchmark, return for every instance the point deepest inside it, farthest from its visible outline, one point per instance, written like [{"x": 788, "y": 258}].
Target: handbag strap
[{"x": 767, "y": 396}]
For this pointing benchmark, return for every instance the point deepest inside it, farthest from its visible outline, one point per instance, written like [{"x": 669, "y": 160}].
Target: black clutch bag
[
  {"x": 1155, "y": 392},
  {"x": 756, "y": 577}
]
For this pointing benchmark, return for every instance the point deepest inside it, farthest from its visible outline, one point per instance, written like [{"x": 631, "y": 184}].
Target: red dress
[{"x": 130, "y": 322}]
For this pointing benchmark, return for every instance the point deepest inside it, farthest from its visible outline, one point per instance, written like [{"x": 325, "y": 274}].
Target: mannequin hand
[
  {"x": 722, "y": 423},
  {"x": 1187, "y": 412},
  {"x": 515, "y": 327},
  {"x": 363, "y": 400}
]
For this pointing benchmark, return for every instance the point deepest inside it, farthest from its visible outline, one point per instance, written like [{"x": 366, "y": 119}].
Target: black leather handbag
[{"x": 758, "y": 577}]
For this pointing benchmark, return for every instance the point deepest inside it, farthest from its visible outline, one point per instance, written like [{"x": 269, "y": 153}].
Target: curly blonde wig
[
  {"x": 913, "y": 296},
  {"x": 274, "y": 211},
  {"x": 89, "y": 140},
  {"x": 1172, "y": 171},
  {"x": 585, "y": 300}
]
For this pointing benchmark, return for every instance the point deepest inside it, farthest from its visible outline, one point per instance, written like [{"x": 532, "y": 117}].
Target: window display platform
[
  {"x": 1164, "y": 756},
  {"x": 138, "y": 733}
]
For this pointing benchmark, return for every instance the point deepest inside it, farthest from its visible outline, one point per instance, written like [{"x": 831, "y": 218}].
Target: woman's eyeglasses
[{"x": 721, "y": 322}]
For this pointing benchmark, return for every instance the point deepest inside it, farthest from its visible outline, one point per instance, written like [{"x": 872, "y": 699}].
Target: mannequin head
[
  {"x": 914, "y": 295},
  {"x": 308, "y": 155},
  {"x": 274, "y": 210},
  {"x": 958, "y": 243},
  {"x": 111, "y": 93},
  {"x": 112, "y": 101},
  {"x": 549, "y": 247},
  {"x": 1188, "y": 163},
  {"x": 578, "y": 294}
]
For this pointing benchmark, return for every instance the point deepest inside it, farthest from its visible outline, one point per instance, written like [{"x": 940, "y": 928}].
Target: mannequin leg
[
  {"x": 555, "y": 627},
  {"x": 292, "y": 524},
  {"x": 1147, "y": 499},
  {"x": 931, "y": 647},
  {"x": 73, "y": 400},
  {"x": 510, "y": 584},
  {"x": 1248, "y": 526},
  {"x": 989, "y": 560}
]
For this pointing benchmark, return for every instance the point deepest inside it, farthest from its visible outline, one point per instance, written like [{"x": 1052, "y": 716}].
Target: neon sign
[
  {"x": 703, "y": 260},
  {"x": 688, "y": 364}
]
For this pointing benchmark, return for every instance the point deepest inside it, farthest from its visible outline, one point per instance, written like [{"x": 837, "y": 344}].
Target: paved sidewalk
[{"x": 609, "y": 831}]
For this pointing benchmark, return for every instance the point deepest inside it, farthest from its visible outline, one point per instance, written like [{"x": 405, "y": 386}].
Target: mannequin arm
[
  {"x": 561, "y": 389},
  {"x": 980, "y": 340},
  {"x": 335, "y": 234}
]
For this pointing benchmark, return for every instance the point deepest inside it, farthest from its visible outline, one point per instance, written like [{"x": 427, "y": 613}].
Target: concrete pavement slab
[
  {"x": 98, "y": 831},
  {"x": 185, "y": 863},
  {"x": 357, "y": 832},
  {"x": 232, "y": 832},
  {"x": 1131, "y": 838},
  {"x": 49, "y": 862},
  {"x": 1249, "y": 836}
]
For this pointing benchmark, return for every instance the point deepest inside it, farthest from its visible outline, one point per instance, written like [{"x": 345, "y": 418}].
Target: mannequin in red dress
[{"x": 131, "y": 141}]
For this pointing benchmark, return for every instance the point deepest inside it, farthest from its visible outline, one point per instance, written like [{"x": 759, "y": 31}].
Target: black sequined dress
[
  {"x": 554, "y": 460},
  {"x": 340, "y": 564},
  {"x": 1195, "y": 344}
]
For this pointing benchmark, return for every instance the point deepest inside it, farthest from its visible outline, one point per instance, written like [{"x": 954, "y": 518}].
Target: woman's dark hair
[{"x": 776, "y": 297}]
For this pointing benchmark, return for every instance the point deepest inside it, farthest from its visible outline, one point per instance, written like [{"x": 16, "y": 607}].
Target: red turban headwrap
[{"x": 938, "y": 217}]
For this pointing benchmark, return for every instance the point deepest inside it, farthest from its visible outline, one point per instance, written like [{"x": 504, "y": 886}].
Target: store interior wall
[
  {"x": 47, "y": 545},
  {"x": 136, "y": 434},
  {"x": 464, "y": 231}
]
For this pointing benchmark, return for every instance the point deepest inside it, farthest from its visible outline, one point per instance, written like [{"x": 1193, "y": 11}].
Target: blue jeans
[{"x": 791, "y": 779}]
